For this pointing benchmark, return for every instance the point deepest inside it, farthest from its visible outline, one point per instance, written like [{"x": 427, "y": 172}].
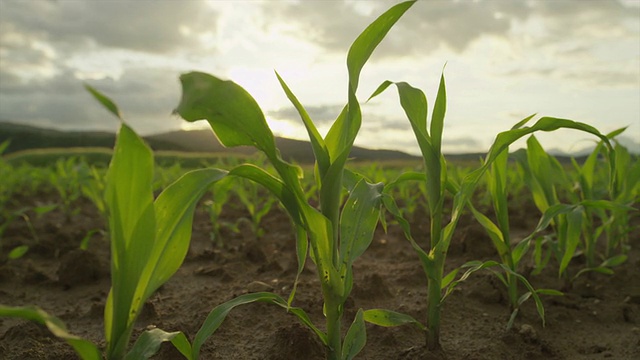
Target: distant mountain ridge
[{"x": 25, "y": 137}]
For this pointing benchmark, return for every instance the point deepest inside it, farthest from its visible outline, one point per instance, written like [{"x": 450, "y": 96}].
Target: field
[
  {"x": 598, "y": 316},
  {"x": 514, "y": 255}
]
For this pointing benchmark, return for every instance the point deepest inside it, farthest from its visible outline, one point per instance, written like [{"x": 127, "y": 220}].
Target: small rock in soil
[{"x": 528, "y": 334}]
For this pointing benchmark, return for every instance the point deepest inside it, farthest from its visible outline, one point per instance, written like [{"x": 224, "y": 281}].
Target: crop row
[{"x": 335, "y": 214}]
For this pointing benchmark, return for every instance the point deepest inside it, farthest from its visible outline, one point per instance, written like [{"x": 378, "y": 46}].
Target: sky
[{"x": 505, "y": 60}]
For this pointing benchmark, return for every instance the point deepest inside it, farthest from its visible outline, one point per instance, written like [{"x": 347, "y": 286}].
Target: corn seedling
[
  {"x": 499, "y": 233},
  {"x": 149, "y": 241},
  {"x": 574, "y": 229},
  {"x": 220, "y": 192},
  {"x": 20, "y": 250},
  {"x": 256, "y": 203},
  {"x": 414, "y": 103},
  {"x": 626, "y": 192},
  {"x": 336, "y": 234},
  {"x": 67, "y": 180}
]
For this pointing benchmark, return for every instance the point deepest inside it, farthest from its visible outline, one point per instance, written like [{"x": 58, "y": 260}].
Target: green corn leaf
[
  {"x": 302, "y": 250},
  {"x": 235, "y": 118},
  {"x": 220, "y": 312},
  {"x": 574, "y": 230},
  {"x": 174, "y": 210},
  {"x": 359, "y": 219},
  {"x": 606, "y": 205},
  {"x": 520, "y": 250},
  {"x": 523, "y": 122},
  {"x": 388, "y": 318},
  {"x": 498, "y": 189},
  {"x": 549, "y": 215},
  {"x": 182, "y": 344},
  {"x": 340, "y": 134},
  {"x": 317, "y": 143},
  {"x": 233, "y": 114},
  {"x": 471, "y": 266},
  {"x": 320, "y": 233},
  {"x": 587, "y": 172},
  {"x": 502, "y": 142},
  {"x": 550, "y": 292},
  {"x": 343, "y": 131},
  {"x": 493, "y": 231},
  {"x": 543, "y": 170},
  {"x": 18, "y": 252},
  {"x": 512, "y": 318},
  {"x": 144, "y": 256},
  {"x": 616, "y": 132},
  {"x": 148, "y": 343},
  {"x": 546, "y": 124},
  {"x": 532, "y": 293},
  {"x": 274, "y": 185},
  {"x": 365, "y": 44},
  {"x": 380, "y": 89},
  {"x": 130, "y": 201},
  {"x": 356, "y": 337},
  {"x": 414, "y": 104},
  {"x": 614, "y": 261},
  {"x": 85, "y": 349},
  {"x": 437, "y": 118},
  {"x": 447, "y": 279},
  {"x": 331, "y": 199},
  {"x": 105, "y": 101}
]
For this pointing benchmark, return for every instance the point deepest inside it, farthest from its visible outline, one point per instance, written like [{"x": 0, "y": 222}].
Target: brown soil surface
[{"x": 597, "y": 318}]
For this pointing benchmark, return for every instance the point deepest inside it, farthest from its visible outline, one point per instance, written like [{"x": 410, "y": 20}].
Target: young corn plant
[
  {"x": 220, "y": 192},
  {"x": 499, "y": 233},
  {"x": 66, "y": 180},
  {"x": 436, "y": 180},
  {"x": 575, "y": 230},
  {"x": 338, "y": 232},
  {"x": 626, "y": 193},
  {"x": 256, "y": 203},
  {"x": 149, "y": 241}
]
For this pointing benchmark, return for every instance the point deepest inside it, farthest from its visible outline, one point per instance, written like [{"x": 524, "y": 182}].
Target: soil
[{"x": 597, "y": 318}]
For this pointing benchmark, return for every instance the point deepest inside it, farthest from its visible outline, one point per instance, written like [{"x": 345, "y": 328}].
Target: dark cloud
[
  {"x": 146, "y": 26},
  {"x": 146, "y": 97},
  {"x": 426, "y": 27},
  {"x": 430, "y": 25},
  {"x": 462, "y": 144},
  {"x": 320, "y": 114}
]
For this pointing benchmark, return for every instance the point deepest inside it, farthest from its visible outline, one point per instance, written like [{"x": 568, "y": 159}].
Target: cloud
[
  {"x": 145, "y": 96},
  {"x": 425, "y": 28},
  {"x": 462, "y": 144},
  {"x": 320, "y": 114},
  {"x": 454, "y": 25},
  {"x": 160, "y": 27}
]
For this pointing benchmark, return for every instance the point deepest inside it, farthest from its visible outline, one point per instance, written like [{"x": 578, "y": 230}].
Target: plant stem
[
  {"x": 333, "y": 314},
  {"x": 434, "y": 295},
  {"x": 513, "y": 290}
]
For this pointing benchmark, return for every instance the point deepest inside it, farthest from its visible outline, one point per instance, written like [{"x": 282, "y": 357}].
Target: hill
[{"x": 25, "y": 137}]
